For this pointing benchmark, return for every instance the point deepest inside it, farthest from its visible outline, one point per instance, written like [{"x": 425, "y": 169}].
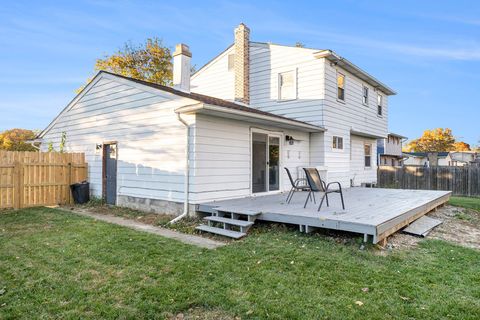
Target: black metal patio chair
[
  {"x": 316, "y": 184},
  {"x": 297, "y": 185}
]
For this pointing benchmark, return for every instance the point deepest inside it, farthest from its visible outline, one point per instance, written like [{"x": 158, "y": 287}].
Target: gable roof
[
  {"x": 225, "y": 104},
  {"x": 353, "y": 69},
  {"x": 320, "y": 53},
  {"x": 397, "y": 135},
  {"x": 211, "y": 61}
]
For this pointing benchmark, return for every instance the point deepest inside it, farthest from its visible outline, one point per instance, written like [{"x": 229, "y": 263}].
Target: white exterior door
[{"x": 266, "y": 162}]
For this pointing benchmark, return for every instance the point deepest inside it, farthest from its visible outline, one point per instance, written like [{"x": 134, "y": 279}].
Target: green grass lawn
[
  {"x": 55, "y": 264},
  {"x": 465, "y": 202}
]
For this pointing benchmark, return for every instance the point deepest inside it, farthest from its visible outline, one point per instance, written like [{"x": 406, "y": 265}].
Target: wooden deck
[{"x": 375, "y": 213}]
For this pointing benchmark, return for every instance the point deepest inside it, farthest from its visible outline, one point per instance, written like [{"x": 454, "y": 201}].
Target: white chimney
[{"x": 181, "y": 67}]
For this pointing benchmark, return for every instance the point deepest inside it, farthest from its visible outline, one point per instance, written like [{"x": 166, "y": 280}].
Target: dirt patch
[
  {"x": 186, "y": 225},
  {"x": 460, "y": 226},
  {"x": 202, "y": 314}
]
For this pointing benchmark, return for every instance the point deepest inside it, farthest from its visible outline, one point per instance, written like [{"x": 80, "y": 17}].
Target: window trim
[
  {"x": 344, "y": 87},
  {"x": 333, "y": 142},
  {"x": 295, "y": 88},
  {"x": 365, "y": 155},
  {"x": 365, "y": 103},
  {"x": 380, "y": 105}
]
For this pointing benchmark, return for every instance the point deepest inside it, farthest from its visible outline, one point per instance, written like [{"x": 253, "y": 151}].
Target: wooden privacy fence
[
  {"x": 462, "y": 181},
  {"x": 29, "y": 179}
]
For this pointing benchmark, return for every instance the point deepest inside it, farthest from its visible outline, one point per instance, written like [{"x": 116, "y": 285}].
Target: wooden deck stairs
[{"x": 229, "y": 222}]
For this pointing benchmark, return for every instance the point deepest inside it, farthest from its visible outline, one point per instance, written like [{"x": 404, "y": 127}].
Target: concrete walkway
[{"x": 167, "y": 233}]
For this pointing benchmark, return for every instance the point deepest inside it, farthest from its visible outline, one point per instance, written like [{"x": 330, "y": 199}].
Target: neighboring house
[
  {"x": 228, "y": 131},
  {"x": 389, "y": 150},
  {"x": 453, "y": 158},
  {"x": 461, "y": 158}
]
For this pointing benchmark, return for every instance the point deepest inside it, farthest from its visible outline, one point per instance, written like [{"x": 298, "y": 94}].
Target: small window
[
  {"x": 287, "y": 87},
  {"x": 379, "y": 104},
  {"x": 337, "y": 143},
  {"x": 340, "y": 87},
  {"x": 393, "y": 162},
  {"x": 368, "y": 155},
  {"x": 231, "y": 62},
  {"x": 365, "y": 95}
]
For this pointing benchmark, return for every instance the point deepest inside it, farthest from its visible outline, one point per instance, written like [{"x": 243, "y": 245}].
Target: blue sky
[{"x": 429, "y": 51}]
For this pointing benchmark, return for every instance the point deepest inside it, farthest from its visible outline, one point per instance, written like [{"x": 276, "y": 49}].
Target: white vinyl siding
[
  {"x": 316, "y": 102},
  {"x": 222, "y": 157},
  {"x": 151, "y": 148},
  {"x": 352, "y": 115},
  {"x": 215, "y": 79},
  {"x": 361, "y": 174},
  {"x": 267, "y": 61},
  {"x": 393, "y": 146}
]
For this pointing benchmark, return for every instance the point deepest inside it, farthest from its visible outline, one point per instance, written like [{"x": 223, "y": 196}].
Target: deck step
[
  {"x": 238, "y": 210},
  {"x": 222, "y": 232},
  {"x": 233, "y": 222}
]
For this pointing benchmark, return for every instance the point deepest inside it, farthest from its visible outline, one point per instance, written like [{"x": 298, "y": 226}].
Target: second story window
[
  {"x": 365, "y": 95},
  {"x": 379, "y": 104},
  {"x": 340, "y": 87},
  {"x": 337, "y": 143},
  {"x": 287, "y": 86}
]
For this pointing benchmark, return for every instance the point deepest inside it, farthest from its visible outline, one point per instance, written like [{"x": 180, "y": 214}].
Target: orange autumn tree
[
  {"x": 150, "y": 61},
  {"x": 16, "y": 140},
  {"x": 436, "y": 140},
  {"x": 461, "y": 146}
]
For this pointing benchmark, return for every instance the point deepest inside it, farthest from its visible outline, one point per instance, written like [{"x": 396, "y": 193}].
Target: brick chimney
[
  {"x": 242, "y": 64},
  {"x": 181, "y": 67}
]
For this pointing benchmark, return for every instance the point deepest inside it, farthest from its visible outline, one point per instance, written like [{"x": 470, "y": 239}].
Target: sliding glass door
[{"x": 265, "y": 162}]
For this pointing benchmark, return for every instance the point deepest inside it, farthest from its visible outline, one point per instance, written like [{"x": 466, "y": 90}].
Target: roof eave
[
  {"x": 397, "y": 135},
  {"x": 352, "y": 68},
  {"x": 241, "y": 114},
  {"x": 366, "y": 135}
]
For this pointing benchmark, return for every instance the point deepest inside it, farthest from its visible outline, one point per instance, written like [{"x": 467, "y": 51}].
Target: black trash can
[{"x": 81, "y": 192}]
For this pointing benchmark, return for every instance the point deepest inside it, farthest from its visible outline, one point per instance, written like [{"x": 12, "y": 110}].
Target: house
[
  {"x": 389, "y": 150},
  {"x": 425, "y": 159},
  {"x": 228, "y": 130},
  {"x": 462, "y": 158},
  {"x": 452, "y": 158}
]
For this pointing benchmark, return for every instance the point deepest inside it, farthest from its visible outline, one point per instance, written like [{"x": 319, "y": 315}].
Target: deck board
[{"x": 371, "y": 211}]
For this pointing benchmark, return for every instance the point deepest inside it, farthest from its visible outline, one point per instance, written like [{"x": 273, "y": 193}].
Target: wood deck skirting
[{"x": 375, "y": 213}]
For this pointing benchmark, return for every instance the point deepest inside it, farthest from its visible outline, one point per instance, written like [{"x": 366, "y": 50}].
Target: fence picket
[
  {"x": 36, "y": 179},
  {"x": 462, "y": 181}
]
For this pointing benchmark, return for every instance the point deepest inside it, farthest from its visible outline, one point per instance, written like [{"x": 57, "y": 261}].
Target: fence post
[
  {"x": 69, "y": 174},
  {"x": 469, "y": 180},
  {"x": 18, "y": 185}
]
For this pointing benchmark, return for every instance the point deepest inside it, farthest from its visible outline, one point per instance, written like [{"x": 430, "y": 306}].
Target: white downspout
[{"x": 187, "y": 170}]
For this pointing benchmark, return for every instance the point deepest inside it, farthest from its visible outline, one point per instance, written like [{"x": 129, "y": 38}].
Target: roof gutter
[
  {"x": 352, "y": 68},
  {"x": 208, "y": 107},
  {"x": 366, "y": 135}
]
